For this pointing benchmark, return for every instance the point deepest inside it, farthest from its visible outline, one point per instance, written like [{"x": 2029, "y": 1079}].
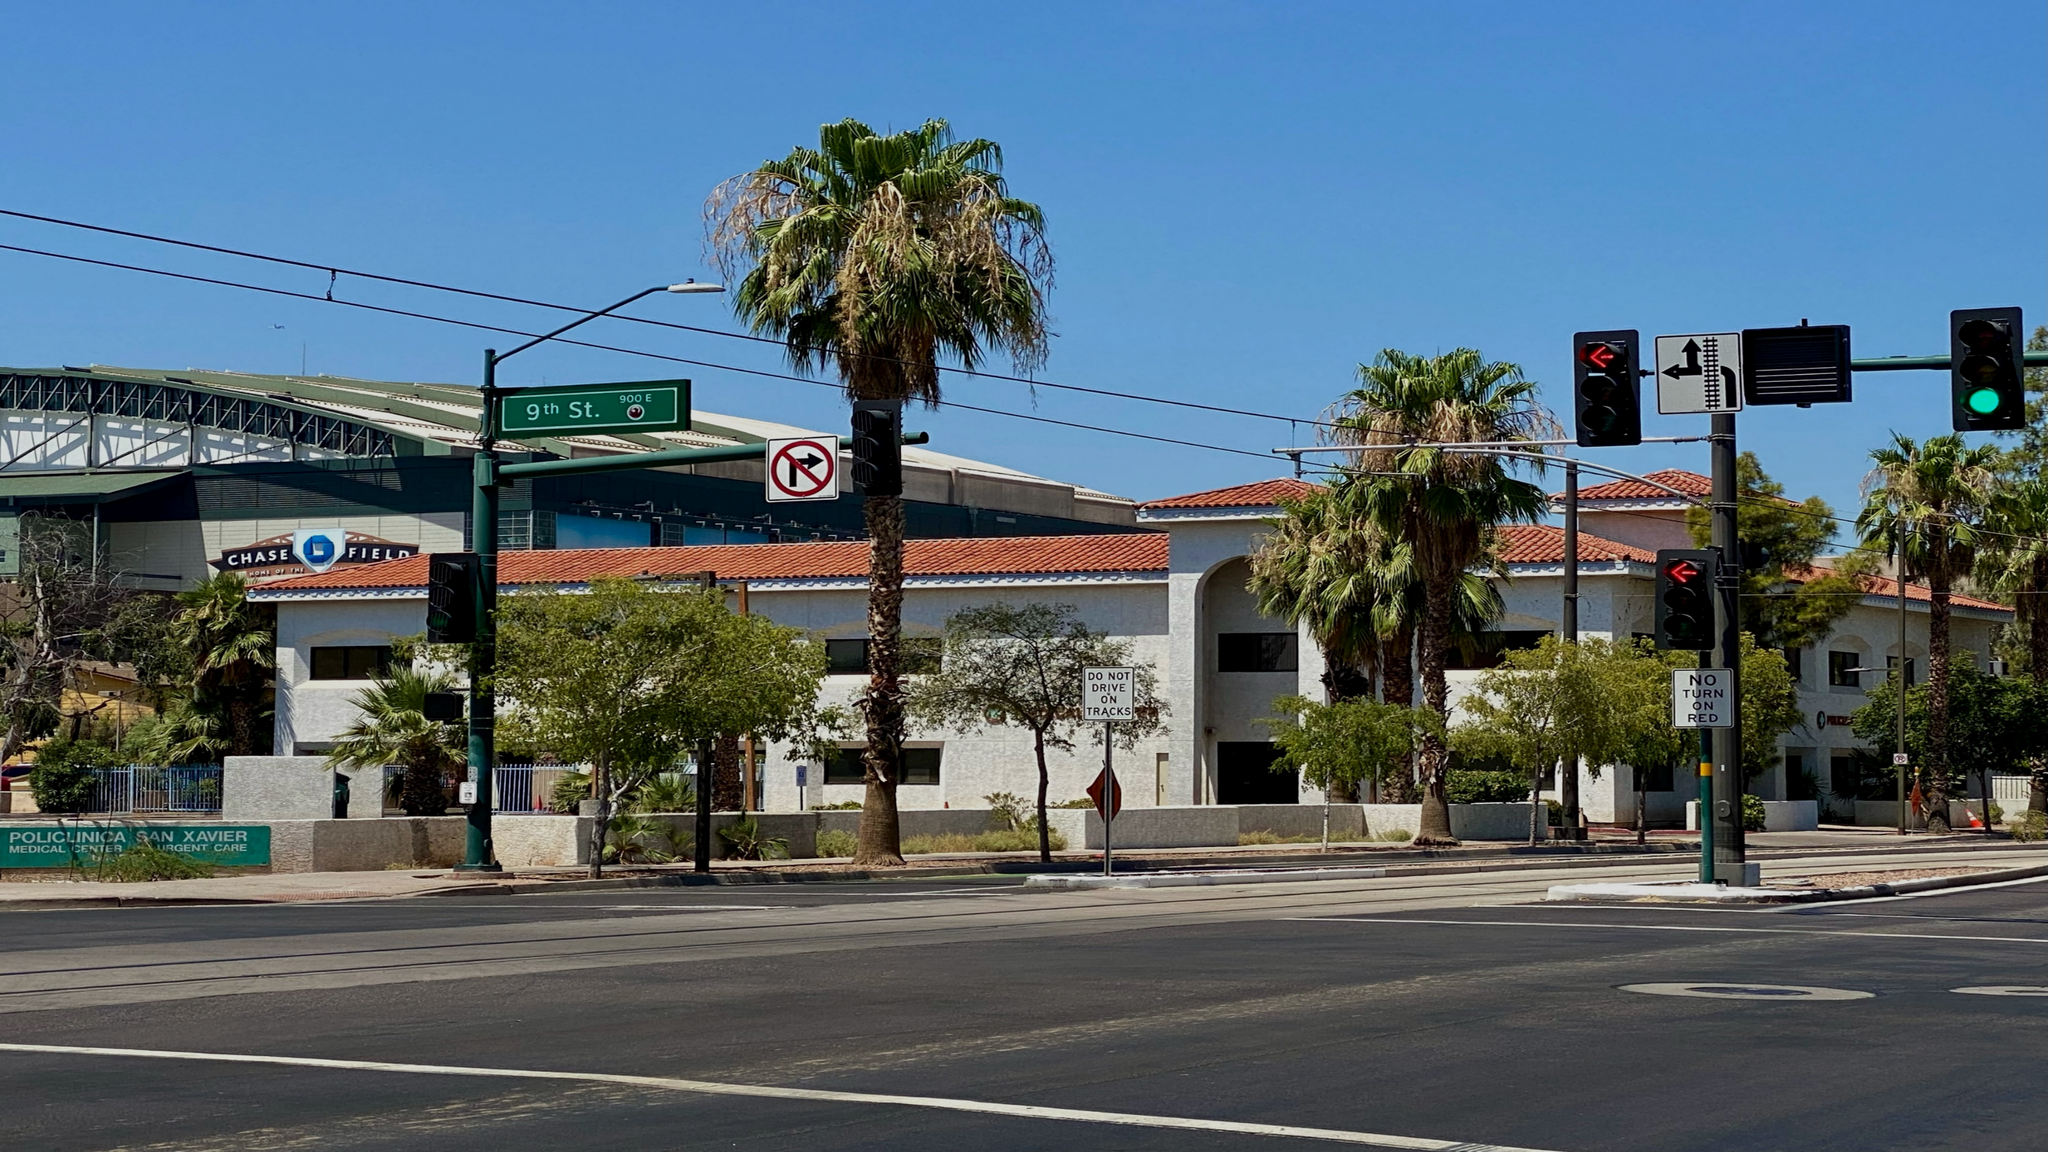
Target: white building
[{"x": 1176, "y": 591}]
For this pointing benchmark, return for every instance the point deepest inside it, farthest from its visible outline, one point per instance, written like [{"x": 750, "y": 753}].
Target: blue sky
[{"x": 1245, "y": 200}]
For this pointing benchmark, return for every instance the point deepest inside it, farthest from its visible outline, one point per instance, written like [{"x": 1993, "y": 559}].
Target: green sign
[
  {"x": 595, "y": 409},
  {"x": 84, "y": 842}
]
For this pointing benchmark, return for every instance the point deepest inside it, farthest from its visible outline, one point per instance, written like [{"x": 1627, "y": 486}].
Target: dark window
[
  {"x": 1483, "y": 651},
  {"x": 361, "y": 662},
  {"x": 920, "y": 766},
  {"x": 1892, "y": 663},
  {"x": 1794, "y": 665},
  {"x": 1245, "y": 775},
  {"x": 1255, "y": 652},
  {"x": 846, "y": 657},
  {"x": 1842, "y": 670}
]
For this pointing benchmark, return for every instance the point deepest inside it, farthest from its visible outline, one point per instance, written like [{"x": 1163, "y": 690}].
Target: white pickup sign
[
  {"x": 1108, "y": 694},
  {"x": 1702, "y": 698}
]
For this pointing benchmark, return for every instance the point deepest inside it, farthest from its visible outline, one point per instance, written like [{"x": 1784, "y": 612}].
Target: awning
[{"x": 47, "y": 488}]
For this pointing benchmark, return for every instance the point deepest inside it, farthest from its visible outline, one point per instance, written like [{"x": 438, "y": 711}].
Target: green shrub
[
  {"x": 1395, "y": 835},
  {"x": 145, "y": 860},
  {"x": 1263, "y": 837},
  {"x": 1477, "y": 786},
  {"x": 2030, "y": 827},
  {"x": 836, "y": 844},
  {"x": 1752, "y": 814},
  {"x": 1013, "y": 840},
  {"x": 1996, "y": 814},
  {"x": 570, "y": 789},
  {"x": 1007, "y": 811},
  {"x": 1079, "y": 802},
  {"x": 842, "y": 806},
  {"x": 636, "y": 839},
  {"x": 743, "y": 841},
  {"x": 1556, "y": 811},
  {"x": 62, "y": 777},
  {"x": 668, "y": 792}
]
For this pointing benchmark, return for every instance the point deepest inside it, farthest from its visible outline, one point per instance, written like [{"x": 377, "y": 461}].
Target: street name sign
[
  {"x": 803, "y": 468},
  {"x": 1702, "y": 698},
  {"x": 1108, "y": 694},
  {"x": 597, "y": 409},
  {"x": 1699, "y": 373}
]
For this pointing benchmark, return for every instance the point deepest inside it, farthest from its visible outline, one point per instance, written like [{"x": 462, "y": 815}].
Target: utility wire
[
  {"x": 333, "y": 271},
  {"x": 1265, "y": 456}
]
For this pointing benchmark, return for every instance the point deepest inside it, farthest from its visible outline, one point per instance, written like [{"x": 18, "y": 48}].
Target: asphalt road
[{"x": 1389, "y": 1013}]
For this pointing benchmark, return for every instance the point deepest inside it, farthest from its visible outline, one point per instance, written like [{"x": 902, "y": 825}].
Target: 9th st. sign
[{"x": 596, "y": 409}]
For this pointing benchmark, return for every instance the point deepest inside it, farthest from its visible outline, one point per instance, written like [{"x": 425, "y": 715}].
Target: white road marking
[
  {"x": 1781, "y": 992},
  {"x": 775, "y": 1092},
  {"x": 2003, "y": 990},
  {"x": 1666, "y": 928}
]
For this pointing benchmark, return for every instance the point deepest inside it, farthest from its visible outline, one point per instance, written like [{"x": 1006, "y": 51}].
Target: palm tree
[
  {"x": 876, "y": 255},
  {"x": 234, "y": 652},
  {"x": 1445, "y": 506},
  {"x": 2014, "y": 562},
  {"x": 392, "y": 728},
  {"x": 1925, "y": 503}
]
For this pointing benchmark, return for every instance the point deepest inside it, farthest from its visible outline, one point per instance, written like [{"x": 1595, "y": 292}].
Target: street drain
[
  {"x": 1749, "y": 991},
  {"x": 2003, "y": 990}
]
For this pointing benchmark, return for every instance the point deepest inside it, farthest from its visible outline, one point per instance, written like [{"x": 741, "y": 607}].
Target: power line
[
  {"x": 333, "y": 271},
  {"x": 1265, "y": 456}
]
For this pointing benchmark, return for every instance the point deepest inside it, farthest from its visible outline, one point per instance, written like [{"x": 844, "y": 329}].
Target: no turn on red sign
[{"x": 803, "y": 468}]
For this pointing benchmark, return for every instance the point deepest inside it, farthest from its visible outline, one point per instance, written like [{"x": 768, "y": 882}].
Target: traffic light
[
  {"x": 1685, "y": 598},
  {"x": 451, "y": 597},
  {"x": 1604, "y": 384},
  {"x": 878, "y": 447},
  {"x": 1985, "y": 351}
]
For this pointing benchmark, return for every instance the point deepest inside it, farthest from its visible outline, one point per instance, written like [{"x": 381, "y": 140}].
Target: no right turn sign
[{"x": 803, "y": 468}]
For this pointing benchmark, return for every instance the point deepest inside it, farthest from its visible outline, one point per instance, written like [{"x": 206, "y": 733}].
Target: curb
[
  {"x": 1192, "y": 879},
  {"x": 1649, "y": 894}
]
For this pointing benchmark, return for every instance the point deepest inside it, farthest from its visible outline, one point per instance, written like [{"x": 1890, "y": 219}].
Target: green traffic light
[{"x": 1984, "y": 401}]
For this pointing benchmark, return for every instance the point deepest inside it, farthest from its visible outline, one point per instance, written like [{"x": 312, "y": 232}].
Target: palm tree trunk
[
  {"x": 1044, "y": 782},
  {"x": 880, "y": 840},
  {"x": 1937, "y": 696},
  {"x": 1397, "y": 686},
  {"x": 1436, "y": 639},
  {"x": 241, "y": 724}
]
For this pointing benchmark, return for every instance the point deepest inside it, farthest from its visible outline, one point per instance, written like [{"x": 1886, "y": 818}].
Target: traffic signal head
[
  {"x": 452, "y": 597},
  {"x": 1685, "y": 598},
  {"x": 1605, "y": 389},
  {"x": 878, "y": 447},
  {"x": 1985, "y": 354}
]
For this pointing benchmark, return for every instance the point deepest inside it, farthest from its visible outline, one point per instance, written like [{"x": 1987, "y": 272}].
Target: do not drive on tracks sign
[
  {"x": 1702, "y": 698},
  {"x": 803, "y": 468},
  {"x": 1107, "y": 694}
]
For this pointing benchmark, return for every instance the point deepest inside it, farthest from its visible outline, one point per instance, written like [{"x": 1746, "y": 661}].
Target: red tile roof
[
  {"x": 1259, "y": 494},
  {"x": 1001, "y": 555},
  {"x": 1544, "y": 544},
  {"x": 1690, "y": 483},
  {"x": 1888, "y": 588}
]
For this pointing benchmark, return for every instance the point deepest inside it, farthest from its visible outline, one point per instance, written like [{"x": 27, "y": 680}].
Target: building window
[
  {"x": 1484, "y": 650},
  {"x": 920, "y": 766},
  {"x": 846, "y": 658},
  {"x": 1891, "y": 663},
  {"x": 1255, "y": 652},
  {"x": 1842, "y": 670},
  {"x": 1245, "y": 774},
  {"x": 360, "y": 662},
  {"x": 1794, "y": 666},
  {"x": 916, "y": 655}
]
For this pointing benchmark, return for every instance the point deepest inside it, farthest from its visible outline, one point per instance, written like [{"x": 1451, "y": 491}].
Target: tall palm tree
[
  {"x": 2014, "y": 562},
  {"x": 233, "y": 644},
  {"x": 1445, "y": 506},
  {"x": 877, "y": 255},
  {"x": 392, "y": 728},
  {"x": 1925, "y": 503}
]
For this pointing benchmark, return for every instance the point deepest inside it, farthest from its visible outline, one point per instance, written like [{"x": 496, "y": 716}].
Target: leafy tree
[
  {"x": 876, "y": 255},
  {"x": 1346, "y": 742},
  {"x": 1769, "y": 706},
  {"x": 391, "y": 727},
  {"x": 2013, "y": 564},
  {"x": 233, "y": 646},
  {"x": 1925, "y": 503},
  {"x": 630, "y": 676},
  {"x": 1445, "y": 506},
  {"x": 62, "y": 778},
  {"x": 1540, "y": 709},
  {"x": 1995, "y": 724},
  {"x": 1009, "y": 664},
  {"x": 1787, "y": 602},
  {"x": 2031, "y": 457}
]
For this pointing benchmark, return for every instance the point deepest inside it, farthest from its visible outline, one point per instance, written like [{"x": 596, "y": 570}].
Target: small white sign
[
  {"x": 1109, "y": 694},
  {"x": 1702, "y": 698},
  {"x": 465, "y": 792},
  {"x": 1900, "y": 759},
  {"x": 1699, "y": 373},
  {"x": 803, "y": 468}
]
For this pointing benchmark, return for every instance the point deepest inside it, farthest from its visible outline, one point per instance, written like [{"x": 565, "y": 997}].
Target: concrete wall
[
  {"x": 1347, "y": 821},
  {"x": 1779, "y": 815},
  {"x": 286, "y": 788},
  {"x": 1194, "y": 826},
  {"x": 1468, "y": 821},
  {"x": 366, "y": 845}
]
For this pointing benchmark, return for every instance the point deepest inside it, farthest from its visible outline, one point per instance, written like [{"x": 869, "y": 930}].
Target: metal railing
[
  {"x": 141, "y": 788},
  {"x": 527, "y": 787}
]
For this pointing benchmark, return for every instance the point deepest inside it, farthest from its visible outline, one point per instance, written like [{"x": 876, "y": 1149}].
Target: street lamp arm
[{"x": 499, "y": 356}]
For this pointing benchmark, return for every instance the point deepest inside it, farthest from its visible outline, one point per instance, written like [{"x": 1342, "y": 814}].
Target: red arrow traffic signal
[
  {"x": 1681, "y": 571},
  {"x": 1600, "y": 356}
]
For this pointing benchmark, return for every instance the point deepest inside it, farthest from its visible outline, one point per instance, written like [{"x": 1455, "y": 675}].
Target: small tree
[
  {"x": 629, "y": 676},
  {"x": 1004, "y": 664},
  {"x": 1996, "y": 724},
  {"x": 1541, "y": 708},
  {"x": 1347, "y": 742},
  {"x": 233, "y": 648}
]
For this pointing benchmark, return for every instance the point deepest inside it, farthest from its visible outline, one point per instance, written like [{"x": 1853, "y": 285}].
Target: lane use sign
[
  {"x": 1702, "y": 698},
  {"x": 803, "y": 468}
]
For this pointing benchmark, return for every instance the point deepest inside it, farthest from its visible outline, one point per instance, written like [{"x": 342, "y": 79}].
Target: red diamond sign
[{"x": 1116, "y": 794}]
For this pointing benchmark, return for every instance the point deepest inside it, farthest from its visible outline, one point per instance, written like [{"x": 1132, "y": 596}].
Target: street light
[{"x": 478, "y": 853}]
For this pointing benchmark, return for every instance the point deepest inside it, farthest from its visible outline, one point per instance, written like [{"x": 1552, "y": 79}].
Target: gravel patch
[{"x": 1864, "y": 879}]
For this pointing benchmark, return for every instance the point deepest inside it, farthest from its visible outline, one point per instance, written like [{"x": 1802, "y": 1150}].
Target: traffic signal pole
[
  {"x": 1721, "y": 835},
  {"x": 478, "y": 852}
]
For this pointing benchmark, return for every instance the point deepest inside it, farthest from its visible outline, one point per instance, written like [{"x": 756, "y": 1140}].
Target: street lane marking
[
  {"x": 1666, "y": 928},
  {"x": 1780, "y": 992},
  {"x": 2003, "y": 990},
  {"x": 820, "y": 1095}
]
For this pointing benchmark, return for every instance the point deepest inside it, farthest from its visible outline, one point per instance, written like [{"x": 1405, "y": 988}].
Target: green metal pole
[
  {"x": 479, "y": 854},
  {"x": 1706, "y": 758}
]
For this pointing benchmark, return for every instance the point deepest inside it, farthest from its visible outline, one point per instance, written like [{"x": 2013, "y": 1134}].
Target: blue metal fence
[{"x": 142, "y": 788}]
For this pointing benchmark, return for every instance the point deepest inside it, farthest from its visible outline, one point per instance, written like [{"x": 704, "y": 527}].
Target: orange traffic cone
[{"x": 1974, "y": 822}]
